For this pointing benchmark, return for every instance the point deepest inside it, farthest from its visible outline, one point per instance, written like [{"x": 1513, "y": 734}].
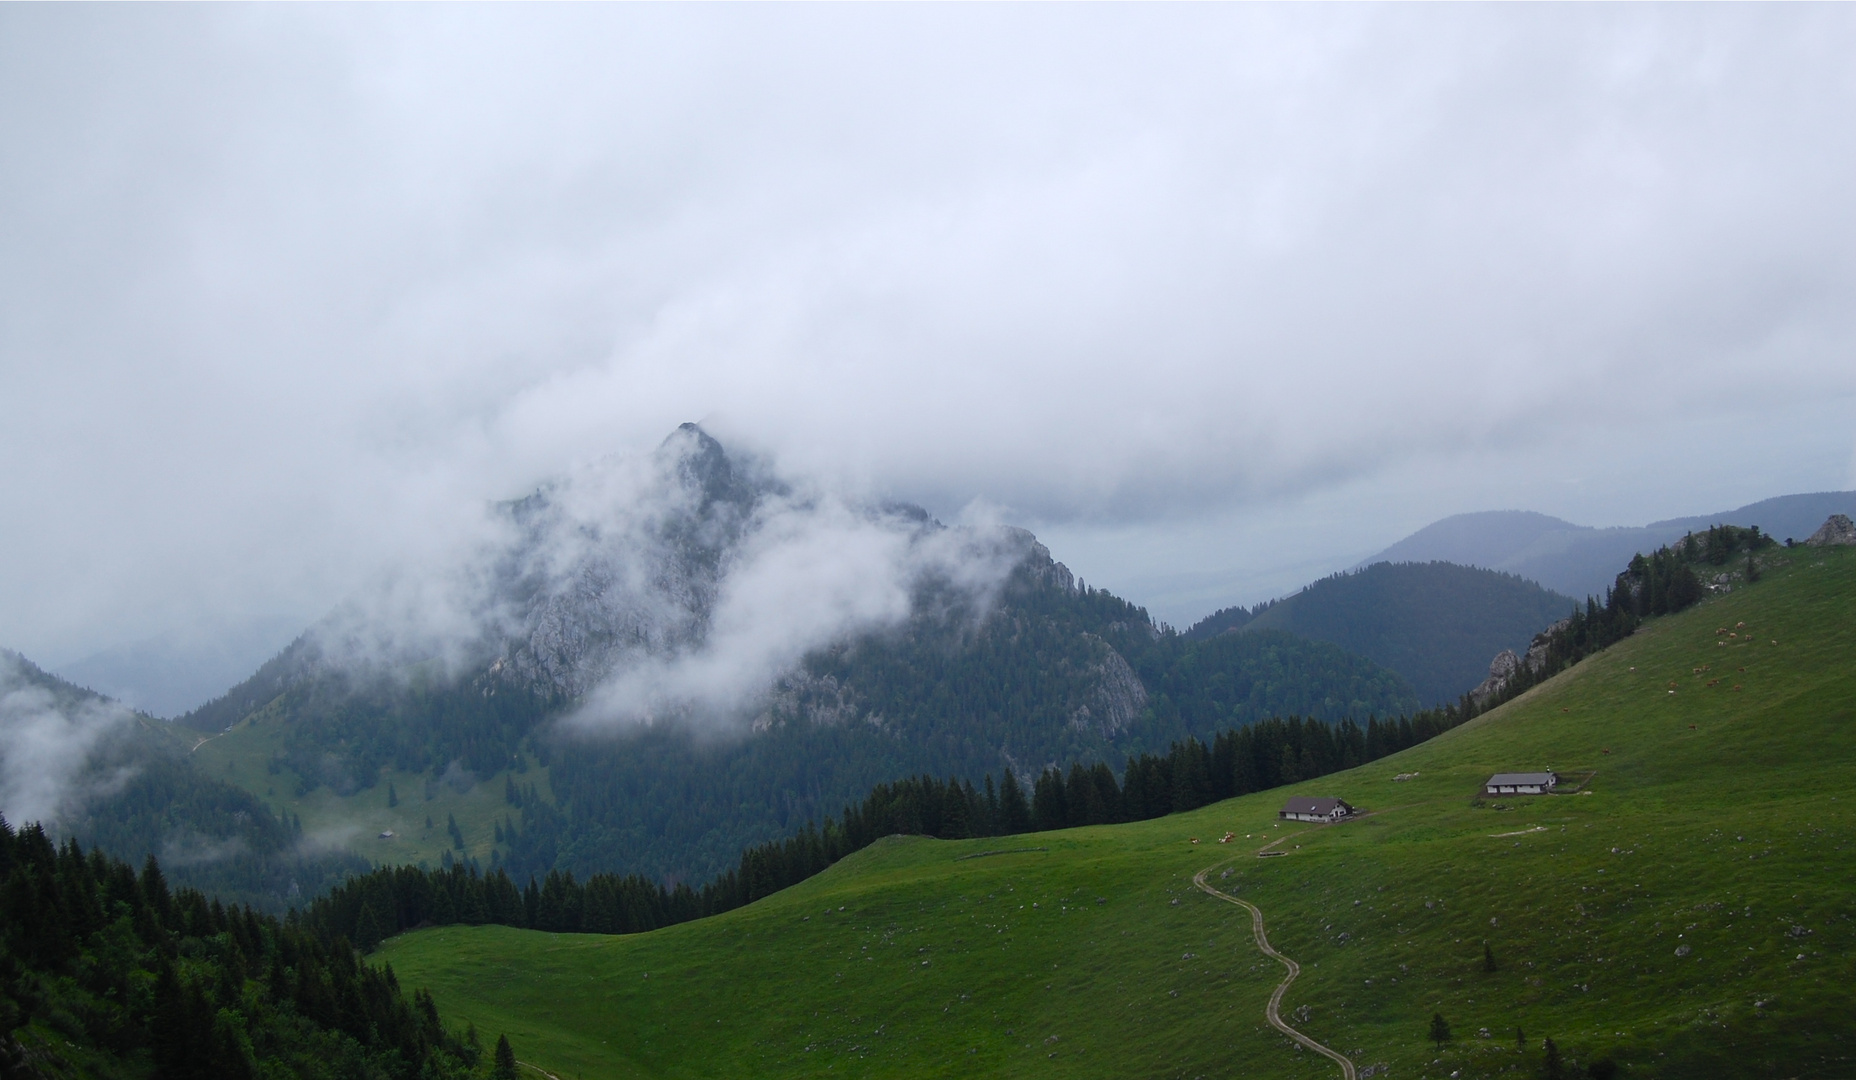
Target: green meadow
[
  {"x": 354, "y": 822},
  {"x": 1688, "y": 912}
]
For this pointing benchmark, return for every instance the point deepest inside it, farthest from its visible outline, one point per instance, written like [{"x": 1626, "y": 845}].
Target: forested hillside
[
  {"x": 1054, "y": 674},
  {"x": 1437, "y": 623},
  {"x": 372, "y": 907},
  {"x": 137, "y": 790},
  {"x": 107, "y": 972}
]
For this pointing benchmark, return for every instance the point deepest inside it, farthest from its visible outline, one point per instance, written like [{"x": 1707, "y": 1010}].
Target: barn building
[
  {"x": 1305, "y": 809},
  {"x": 1521, "y": 783}
]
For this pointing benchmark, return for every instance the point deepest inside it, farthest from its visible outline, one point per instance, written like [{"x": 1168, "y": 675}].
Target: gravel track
[{"x": 1273, "y": 1011}]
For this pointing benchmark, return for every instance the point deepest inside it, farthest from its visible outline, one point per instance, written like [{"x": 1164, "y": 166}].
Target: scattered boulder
[{"x": 1836, "y": 532}]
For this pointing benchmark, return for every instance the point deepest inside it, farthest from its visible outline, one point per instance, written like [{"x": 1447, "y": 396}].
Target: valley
[{"x": 1689, "y": 909}]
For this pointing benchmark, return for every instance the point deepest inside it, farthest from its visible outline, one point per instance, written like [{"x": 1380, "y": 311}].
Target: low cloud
[
  {"x": 332, "y": 838},
  {"x": 810, "y": 574},
  {"x": 675, "y": 585},
  {"x": 188, "y": 847},
  {"x": 288, "y": 291},
  {"x": 47, "y": 745}
]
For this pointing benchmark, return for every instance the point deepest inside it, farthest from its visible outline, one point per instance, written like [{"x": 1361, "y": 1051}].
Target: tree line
[
  {"x": 96, "y": 958},
  {"x": 371, "y": 907},
  {"x": 1660, "y": 583}
]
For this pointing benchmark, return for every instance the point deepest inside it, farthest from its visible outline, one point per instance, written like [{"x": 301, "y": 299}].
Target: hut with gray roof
[
  {"x": 1521, "y": 783},
  {"x": 1302, "y": 808}
]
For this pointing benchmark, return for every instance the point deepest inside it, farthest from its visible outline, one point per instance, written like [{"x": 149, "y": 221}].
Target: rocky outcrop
[
  {"x": 1508, "y": 664},
  {"x": 1836, "y": 532},
  {"x": 1117, "y": 698},
  {"x": 1536, "y": 657},
  {"x": 1501, "y": 672},
  {"x": 602, "y": 577},
  {"x": 1038, "y": 564}
]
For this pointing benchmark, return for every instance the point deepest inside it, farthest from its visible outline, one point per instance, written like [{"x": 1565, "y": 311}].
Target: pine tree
[
  {"x": 1488, "y": 957},
  {"x": 1556, "y": 1068},
  {"x": 1288, "y": 767},
  {"x": 1012, "y": 807},
  {"x": 505, "y": 1060},
  {"x": 1440, "y": 1030},
  {"x": 1049, "y": 802},
  {"x": 371, "y": 929}
]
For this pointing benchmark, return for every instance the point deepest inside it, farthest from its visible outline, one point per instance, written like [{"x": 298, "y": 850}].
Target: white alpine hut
[
  {"x": 1301, "y": 808},
  {"x": 1521, "y": 783}
]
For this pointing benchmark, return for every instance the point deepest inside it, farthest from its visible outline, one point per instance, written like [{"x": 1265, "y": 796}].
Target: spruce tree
[
  {"x": 505, "y": 1060},
  {"x": 1012, "y": 807},
  {"x": 1288, "y": 770},
  {"x": 1556, "y": 1068},
  {"x": 371, "y": 929},
  {"x": 1440, "y": 1030},
  {"x": 1049, "y": 805},
  {"x": 393, "y": 797},
  {"x": 1488, "y": 957}
]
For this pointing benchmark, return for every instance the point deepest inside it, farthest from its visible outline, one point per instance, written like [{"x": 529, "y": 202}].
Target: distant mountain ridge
[{"x": 1580, "y": 560}]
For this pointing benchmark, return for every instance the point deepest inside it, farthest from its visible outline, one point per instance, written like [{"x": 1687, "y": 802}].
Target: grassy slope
[
  {"x": 355, "y": 822},
  {"x": 1095, "y": 957}
]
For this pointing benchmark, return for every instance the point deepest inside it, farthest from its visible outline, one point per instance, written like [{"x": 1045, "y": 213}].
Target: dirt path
[
  {"x": 538, "y": 1069},
  {"x": 204, "y": 739},
  {"x": 1273, "y": 1011}
]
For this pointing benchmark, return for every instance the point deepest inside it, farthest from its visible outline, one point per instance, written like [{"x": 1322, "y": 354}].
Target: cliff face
[
  {"x": 1507, "y": 664},
  {"x": 1115, "y": 698}
]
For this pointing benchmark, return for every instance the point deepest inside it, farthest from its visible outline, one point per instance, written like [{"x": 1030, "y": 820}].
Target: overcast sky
[{"x": 1216, "y": 299}]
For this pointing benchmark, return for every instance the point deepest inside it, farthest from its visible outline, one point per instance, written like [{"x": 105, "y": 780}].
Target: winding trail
[
  {"x": 537, "y": 1068},
  {"x": 1273, "y": 1011}
]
